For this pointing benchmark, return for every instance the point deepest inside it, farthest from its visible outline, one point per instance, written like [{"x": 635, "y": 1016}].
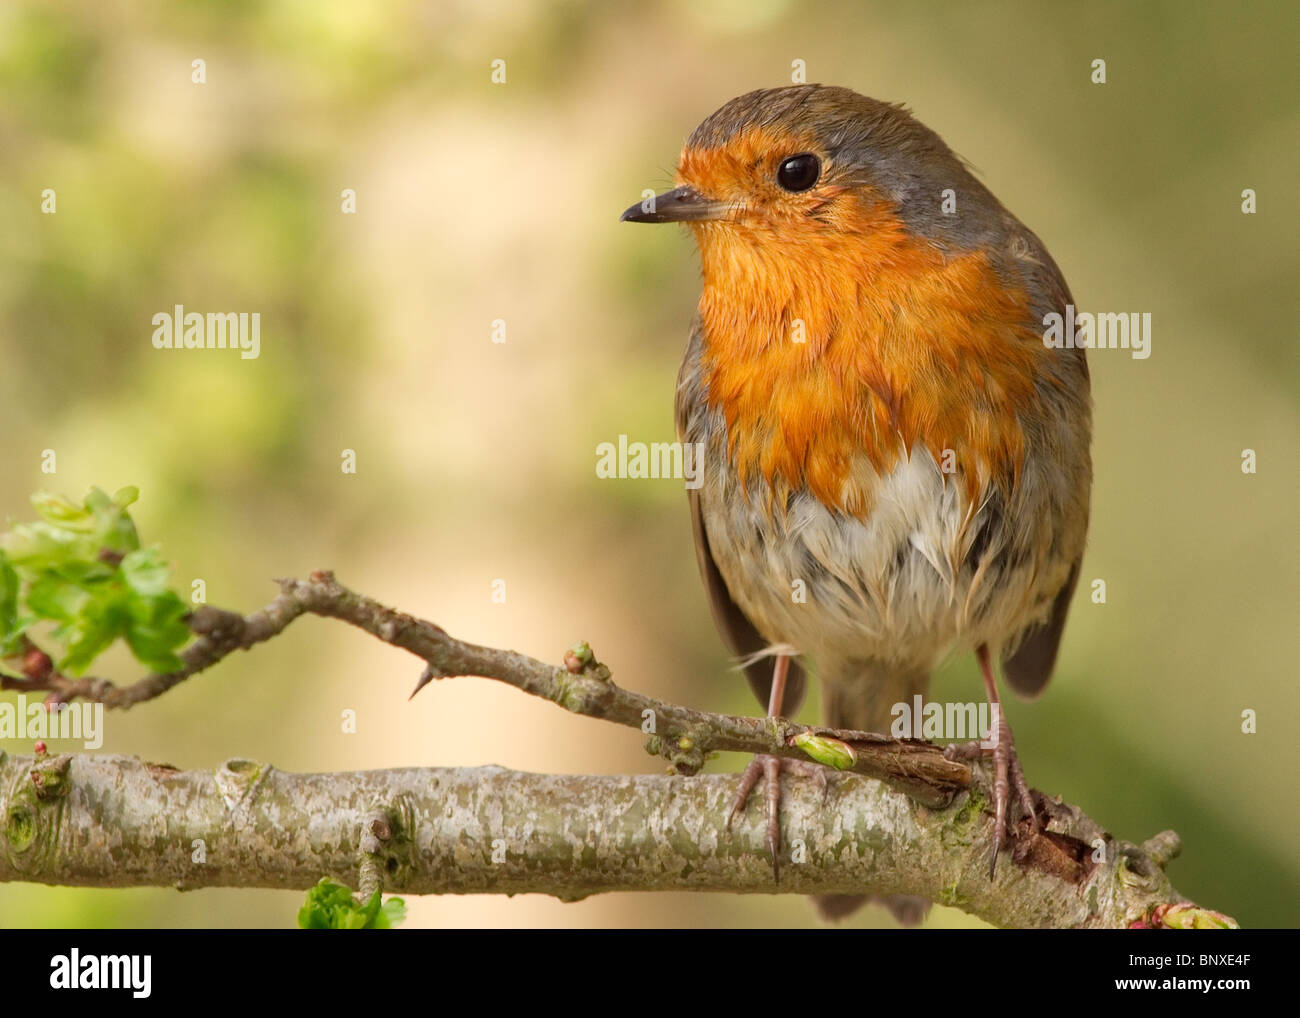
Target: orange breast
[{"x": 829, "y": 350}]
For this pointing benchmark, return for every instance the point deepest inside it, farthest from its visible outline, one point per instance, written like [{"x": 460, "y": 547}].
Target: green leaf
[
  {"x": 59, "y": 510},
  {"x": 67, "y": 533},
  {"x": 11, "y": 627},
  {"x": 126, "y": 497},
  {"x": 323, "y": 901},
  {"x": 102, "y": 619},
  {"x": 145, "y": 572},
  {"x": 82, "y": 567},
  {"x": 53, "y": 597},
  {"x": 157, "y": 626},
  {"x": 156, "y": 629},
  {"x": 331, "y": 906},
  {"x": 368, "y": 912},
  {"x": 112, "y": 523},
  {"x": 391, "y": 915},
  {"x": 36, "y": 546}
]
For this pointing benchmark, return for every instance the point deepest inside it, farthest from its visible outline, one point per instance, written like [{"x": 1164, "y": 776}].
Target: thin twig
[{"x": 683, "y": 736}]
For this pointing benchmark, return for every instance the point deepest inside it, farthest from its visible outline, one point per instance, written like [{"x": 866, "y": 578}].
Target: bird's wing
[
  {"x": 1028, "y": 668},
  {"x": 737, "y": 631}
]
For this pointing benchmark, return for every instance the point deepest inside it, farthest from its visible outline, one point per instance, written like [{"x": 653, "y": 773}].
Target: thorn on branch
[{"x": 426, "y": 676}]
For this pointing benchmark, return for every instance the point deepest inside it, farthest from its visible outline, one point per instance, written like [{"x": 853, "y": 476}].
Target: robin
[{"x": 896, "y": 464}]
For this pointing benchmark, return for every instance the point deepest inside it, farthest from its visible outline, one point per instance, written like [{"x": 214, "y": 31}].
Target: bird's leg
[
  {"x": 769, "y": 768},
  {"x": 1007, "y": 772}
]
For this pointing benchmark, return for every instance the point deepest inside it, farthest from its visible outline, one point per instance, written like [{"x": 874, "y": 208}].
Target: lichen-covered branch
[{"x": 112, "y": 821}]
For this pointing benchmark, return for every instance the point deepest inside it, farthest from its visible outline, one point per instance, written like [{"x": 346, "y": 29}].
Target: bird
[{"x": 896, "y": 464}]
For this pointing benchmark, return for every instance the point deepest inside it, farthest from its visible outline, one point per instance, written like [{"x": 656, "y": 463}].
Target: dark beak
[{"x": 680, "y": 205}]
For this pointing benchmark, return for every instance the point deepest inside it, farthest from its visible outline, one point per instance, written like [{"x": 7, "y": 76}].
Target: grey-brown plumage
[{"x": 948, "y": 557}]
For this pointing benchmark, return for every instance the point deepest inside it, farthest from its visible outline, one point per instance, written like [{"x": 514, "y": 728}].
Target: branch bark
[{"x": 113, "y": 821}]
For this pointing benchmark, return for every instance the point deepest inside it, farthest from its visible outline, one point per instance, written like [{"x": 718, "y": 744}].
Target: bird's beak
[{"x": 680, "y": 205}]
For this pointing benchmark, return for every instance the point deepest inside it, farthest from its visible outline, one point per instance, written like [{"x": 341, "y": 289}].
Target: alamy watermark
[
  {"x": 36, "y": 720},
  {"x": 77, "y": 971},
  {"x": 1106, "y": 330},
  {"x": 969, "y": 722},
  {"x": 681, "y": 460},
  {"x": 190, "y": 330}
]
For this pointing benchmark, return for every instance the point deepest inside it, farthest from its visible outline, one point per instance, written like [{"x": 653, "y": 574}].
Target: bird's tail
[{"x": 861, "y": 698}]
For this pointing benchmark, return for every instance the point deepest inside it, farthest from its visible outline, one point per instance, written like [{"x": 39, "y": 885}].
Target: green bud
[
  {"x": 831, "y": 752},
  {"x": 579, "y": 657},
  {"x": 1186, "y": 916}
]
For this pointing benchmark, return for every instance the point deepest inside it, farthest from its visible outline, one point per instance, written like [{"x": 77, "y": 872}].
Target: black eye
[{"x": 798, "y": 173}]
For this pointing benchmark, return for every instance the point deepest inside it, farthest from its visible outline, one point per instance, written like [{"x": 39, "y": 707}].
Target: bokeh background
[{"x": 479, "y": 201}]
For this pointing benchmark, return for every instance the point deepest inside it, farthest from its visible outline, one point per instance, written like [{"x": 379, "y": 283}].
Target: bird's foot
[
  {"x": 1007, "y": 775},
  {"x": 769, "y": 768}
]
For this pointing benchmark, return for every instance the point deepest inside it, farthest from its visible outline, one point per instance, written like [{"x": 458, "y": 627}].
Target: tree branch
[
  {"x": 112, "y": 821},
  {"x": 684, "y": 736}
]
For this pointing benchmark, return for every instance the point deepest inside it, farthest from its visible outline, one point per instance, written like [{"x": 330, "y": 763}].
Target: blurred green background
[{"x": 479, "y": 201}]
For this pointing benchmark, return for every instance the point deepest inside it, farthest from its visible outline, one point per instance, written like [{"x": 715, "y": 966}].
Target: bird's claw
[
  {"x": 1008, "y": 775},
  {"x": 769, "y": 768}
]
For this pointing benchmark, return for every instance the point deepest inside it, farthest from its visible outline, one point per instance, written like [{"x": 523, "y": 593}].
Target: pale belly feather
[{"x": 924, "y": 573}]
